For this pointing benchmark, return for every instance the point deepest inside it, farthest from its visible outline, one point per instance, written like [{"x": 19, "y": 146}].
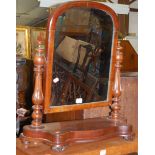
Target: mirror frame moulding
[{"x": 50, "y": 34}]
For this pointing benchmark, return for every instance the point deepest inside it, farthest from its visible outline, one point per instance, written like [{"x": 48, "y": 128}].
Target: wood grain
[
  {"x": 64, "y": 116},
  {"x": 129, "y": 100},
  {"x": 114, "y": 146},
  {"x": 130, "y": 60}
]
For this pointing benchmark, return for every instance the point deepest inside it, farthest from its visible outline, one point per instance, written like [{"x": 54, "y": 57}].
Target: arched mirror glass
[{"x": 82, "y": 57}]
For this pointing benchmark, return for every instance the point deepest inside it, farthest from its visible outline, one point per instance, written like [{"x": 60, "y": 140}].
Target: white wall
[
  {"x": 133, "y": 19},
  {"x": 115, "y": 1},
  {"x": 133, "y": 26}
]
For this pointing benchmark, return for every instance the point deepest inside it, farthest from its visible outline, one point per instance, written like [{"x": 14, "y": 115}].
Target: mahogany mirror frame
[{"x": 51, "y": 29}]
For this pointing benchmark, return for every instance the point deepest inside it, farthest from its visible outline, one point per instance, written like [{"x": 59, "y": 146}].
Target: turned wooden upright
[
  {"x": 115, "y": 114},
  {"x": 37, "y": 98}
]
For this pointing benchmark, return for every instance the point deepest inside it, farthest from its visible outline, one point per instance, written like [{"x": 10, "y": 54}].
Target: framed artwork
[
  {"x": 36, "y": 33},
  {"x": 23, "y": 41}
]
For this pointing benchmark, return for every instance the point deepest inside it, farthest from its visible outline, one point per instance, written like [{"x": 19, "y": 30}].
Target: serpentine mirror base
[{"x": 61, "y": 134}]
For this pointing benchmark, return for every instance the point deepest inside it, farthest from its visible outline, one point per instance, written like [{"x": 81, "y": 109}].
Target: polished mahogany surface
[
  {"x": 130, "y": 60},
  {"x": 62, "y": 134},
  {"x": 112, "y": 146}
]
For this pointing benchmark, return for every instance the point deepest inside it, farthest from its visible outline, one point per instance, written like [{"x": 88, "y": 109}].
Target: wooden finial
[
  {"x": 117, "y": 85},
  {"x": 37, "y": 97}
]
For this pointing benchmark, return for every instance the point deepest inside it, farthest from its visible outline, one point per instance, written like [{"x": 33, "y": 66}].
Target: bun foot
[
  {"x": 129, "y": 137},
  {"x": 58, "y": 148}
]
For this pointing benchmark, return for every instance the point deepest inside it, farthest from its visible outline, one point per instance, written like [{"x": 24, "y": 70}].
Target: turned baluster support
[
  {"x": 37, "y": 97},
  {"x": 115, "y": 114}
]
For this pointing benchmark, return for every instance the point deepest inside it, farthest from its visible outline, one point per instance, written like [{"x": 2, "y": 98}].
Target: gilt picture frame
[{"x": 23, "y": 42}]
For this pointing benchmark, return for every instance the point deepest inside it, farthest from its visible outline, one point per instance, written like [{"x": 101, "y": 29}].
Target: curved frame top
[{"x": 50, "y": 50}]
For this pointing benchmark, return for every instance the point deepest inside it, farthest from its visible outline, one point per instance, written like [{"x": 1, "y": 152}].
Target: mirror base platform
[{"x": 61, "y": 134}]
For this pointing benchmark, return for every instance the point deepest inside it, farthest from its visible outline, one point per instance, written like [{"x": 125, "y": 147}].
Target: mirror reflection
[{"x": 81, "y": 63}]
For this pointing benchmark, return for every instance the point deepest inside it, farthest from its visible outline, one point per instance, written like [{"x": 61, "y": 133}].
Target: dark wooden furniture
[
  {"x": 23, "y": 92},
  {"x": 24, "y": 70},
  {"x": 72, "y": 84},
  {"x": 61, "y": 134},
  {"x": 90, "y": 57},
  {"x": 129, "y": 98},
  {"x": 21, "y": 82},
  {"x": 130, "y": 60}
]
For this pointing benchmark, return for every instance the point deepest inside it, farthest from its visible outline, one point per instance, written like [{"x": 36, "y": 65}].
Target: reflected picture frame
[{"x": 23, "y": 42}]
